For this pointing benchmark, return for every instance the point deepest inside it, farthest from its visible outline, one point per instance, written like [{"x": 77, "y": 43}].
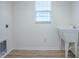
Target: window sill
[{"x": 43, "y": 22}]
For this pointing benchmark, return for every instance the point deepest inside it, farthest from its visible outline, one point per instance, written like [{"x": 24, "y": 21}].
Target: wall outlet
[{"x": 6, "y": 25}]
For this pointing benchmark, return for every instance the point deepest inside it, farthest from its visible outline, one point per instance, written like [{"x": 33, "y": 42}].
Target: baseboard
[
  {"x": 37, "y": 50},
  {"x": 50, "y": 48},
  {"x": 6, "y": 54}
]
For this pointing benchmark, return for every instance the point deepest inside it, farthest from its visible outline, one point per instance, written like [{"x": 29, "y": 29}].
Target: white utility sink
[
  {"x": 68, "y": 28},
  {"x": 69, "y": 35}
]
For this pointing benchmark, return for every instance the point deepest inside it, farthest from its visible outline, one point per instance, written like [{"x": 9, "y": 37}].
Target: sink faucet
[{"x": 74, "y": 27}]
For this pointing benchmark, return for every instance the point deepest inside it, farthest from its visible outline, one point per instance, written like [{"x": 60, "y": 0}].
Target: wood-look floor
[{"x": 37, "y": 54}]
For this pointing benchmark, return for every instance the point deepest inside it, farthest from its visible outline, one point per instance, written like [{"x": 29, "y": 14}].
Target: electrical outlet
[{"x": 6, "y": 25}]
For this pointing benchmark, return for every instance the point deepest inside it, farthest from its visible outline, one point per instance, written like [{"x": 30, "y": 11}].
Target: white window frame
[{"x": 45, "y": 21}]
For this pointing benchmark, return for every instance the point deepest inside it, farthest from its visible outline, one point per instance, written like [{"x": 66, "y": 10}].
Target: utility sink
[
  {"x": 68, "y": 33},
  {"x": 68, "y": 28}
]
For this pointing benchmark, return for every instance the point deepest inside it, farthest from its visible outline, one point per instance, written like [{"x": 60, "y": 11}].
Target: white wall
[
  {"x": 6, "y": 18},
  {"x": 27, "y": 34},
  {"x": 75, "y": 17}
]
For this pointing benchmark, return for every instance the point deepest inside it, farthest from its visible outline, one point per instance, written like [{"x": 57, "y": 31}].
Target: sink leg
[
  {"x": 75, "y": 49},
  {"x": 66, "y": 49}
]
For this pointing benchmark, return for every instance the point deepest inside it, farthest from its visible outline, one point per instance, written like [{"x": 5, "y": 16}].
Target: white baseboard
[
  {"x": 49, "y": 48},
  {"x": 6, "y": 53}
]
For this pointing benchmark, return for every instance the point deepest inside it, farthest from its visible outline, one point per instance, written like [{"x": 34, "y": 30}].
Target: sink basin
[
  {"x": 68, "y": 34},
  {"x": 67, "y": 28}
]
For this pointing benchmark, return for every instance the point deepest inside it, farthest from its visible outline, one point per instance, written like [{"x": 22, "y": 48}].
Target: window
[{"x": 42, "y": 9}]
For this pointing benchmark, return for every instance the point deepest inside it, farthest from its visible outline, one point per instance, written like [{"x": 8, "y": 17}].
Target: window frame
[{"x": 49, "y": 11}]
